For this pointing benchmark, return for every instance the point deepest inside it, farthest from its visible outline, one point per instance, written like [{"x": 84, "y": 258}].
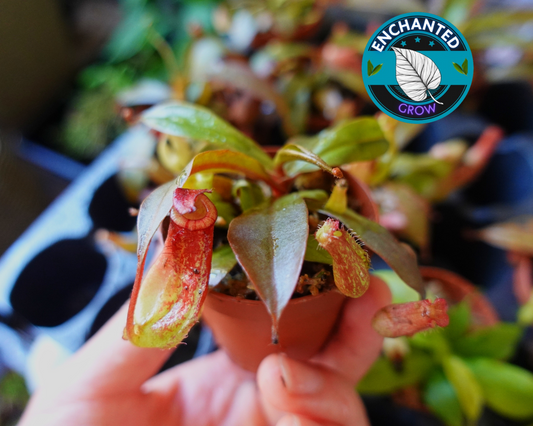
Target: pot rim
[{"x": 299, "y": 300}]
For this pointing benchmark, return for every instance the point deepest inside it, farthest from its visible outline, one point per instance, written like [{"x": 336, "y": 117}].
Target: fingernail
[{"x": 299, "y": 378}]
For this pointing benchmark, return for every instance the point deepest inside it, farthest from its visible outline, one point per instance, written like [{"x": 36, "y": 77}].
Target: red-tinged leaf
[
  {"x": 270, "y": 245},
  {"x": 381, "y": 242},
  {"x": 201, "y": 124},
  {"x": 400, "y": 199},
  {"x": 406, "y": 319},
  {"x": 293, "y": 152},
  {"x": 226, "y": 161},
  {"x": 153, "y": 210},
  {"x": 240, "y": 76},
  {"x": 522, "y": 276},
  {"x": 515, "y": 235},
  {"x": 474, "y": 161},
  {"x": 350, "y": 260},
  {"x": 166, "y": 302}
]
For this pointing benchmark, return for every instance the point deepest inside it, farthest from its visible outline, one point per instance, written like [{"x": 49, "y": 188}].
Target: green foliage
[
  {"x": 401, "y": 292},
  {"x": 13, "y": 398},
  {"x": 466, "y": 387},
  {"x": 222, "y": 262},
  {"x": 465, "y": 370},
  {"x": 498, "y": 342},
  {"x": 91, "y": 124},
  {"x": 460, "y": 316},
  {"x": 441, "y": 399},
  {"x": 200, "y": 124},
  {"x": 313, "y": 253},
  {"x": 294, "y": 152},
  {"x": 385, "y": 377},
  {"x": 360, "y": 139},
  {"x": 507, "y": 389}
]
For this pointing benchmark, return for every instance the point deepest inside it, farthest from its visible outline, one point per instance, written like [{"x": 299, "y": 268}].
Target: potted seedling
[
  {"x": 454, "y": 372},
  {"x": 271, "y": 216}
]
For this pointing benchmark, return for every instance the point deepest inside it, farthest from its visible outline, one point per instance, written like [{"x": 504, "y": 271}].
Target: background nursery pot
[
  {"x": 244, "y": 327},
  {"x": 455, "y": 288}
]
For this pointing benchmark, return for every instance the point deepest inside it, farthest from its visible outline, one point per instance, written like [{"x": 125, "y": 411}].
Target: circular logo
[{"x": 417, "y": 68}]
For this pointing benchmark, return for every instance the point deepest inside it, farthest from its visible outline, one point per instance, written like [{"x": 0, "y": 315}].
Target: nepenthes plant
[{"x": 283, "y": 225}]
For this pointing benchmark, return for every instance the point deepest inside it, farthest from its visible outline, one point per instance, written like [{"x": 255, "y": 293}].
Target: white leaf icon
[{"x": 416, "y": 74}]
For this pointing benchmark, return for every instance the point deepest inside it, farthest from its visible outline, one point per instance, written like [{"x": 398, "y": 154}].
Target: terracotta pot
[
  {"x": 243, "y": 327},
  {"x": 455, "y": 288}
]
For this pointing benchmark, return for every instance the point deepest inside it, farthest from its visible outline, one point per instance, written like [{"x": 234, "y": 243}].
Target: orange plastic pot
[{"x": 243, "y": 328}]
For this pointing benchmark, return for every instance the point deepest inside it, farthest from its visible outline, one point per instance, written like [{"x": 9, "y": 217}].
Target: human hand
[{"x": 111, "y": 382}]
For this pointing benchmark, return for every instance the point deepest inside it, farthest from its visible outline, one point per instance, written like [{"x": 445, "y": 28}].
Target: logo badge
[{"x": 417, "y": 68}]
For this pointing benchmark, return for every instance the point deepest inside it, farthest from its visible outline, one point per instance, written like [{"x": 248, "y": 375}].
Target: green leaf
[
  {"x": 226, "y": 161},
  {"x": 465, "y": 66},
  {"x": 440, "y": 397},
  {"x": 495, "y": 21},
  {"x": 369, "y": 68},
  {"x": 130, "y": 36},
  {"x": 270, "y": 245},
  {"x": 222, "y": 262},
  {"x": 508, "y": 389},
  {"x": 381, "y": 242},
  {"x": 466, "y": 387},
  {"x": 249, "y": 194},
  {"x": 198, "y": 123},
  {"x": 297, "y": 90},
  {"x": 314, "y": 253},
  {"x": 293, "y": 152},
  {"x": 401, "y": 292},
  {"x": 525, "y": 313},
  {"x": 458, "y": 68},
  {"x": 433, "y": 341},
  {"x": 314, "y": 198},
  {"x": 225, "y": 211},
  {"x": 384, "y": 378},
  {"x": 460, "y": 317},
  {"x": 360, "y": 139},
  {"x": 498, "y": 341},
  {"x": 281, "y": 51},
  {"x": 351, "y": 80},
  {"x": 376, "y": 70}
]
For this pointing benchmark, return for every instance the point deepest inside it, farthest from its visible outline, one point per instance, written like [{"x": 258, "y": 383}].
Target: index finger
[
  {"x": 108, "y": 363},
  {"x": 355, "y": 346}
]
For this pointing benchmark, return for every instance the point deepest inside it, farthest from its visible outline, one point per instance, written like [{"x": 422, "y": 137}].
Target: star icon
[
  {"x": 403, "y": 43},
  {"x": 431, "y": 43},
  {"x": 417, "y": 40}
]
